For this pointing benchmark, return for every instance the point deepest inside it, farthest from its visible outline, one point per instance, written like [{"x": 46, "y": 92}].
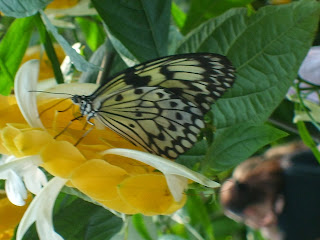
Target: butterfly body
[{"x": 160, "y": 104}]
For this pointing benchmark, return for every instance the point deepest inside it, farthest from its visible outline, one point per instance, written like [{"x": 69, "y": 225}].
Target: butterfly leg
[
  {"x": 77, "y": 118},
  {"x": 86, "y": 133}
]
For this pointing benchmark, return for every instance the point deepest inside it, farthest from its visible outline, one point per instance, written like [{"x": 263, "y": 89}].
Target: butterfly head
[{"x": 85, "y": 104}]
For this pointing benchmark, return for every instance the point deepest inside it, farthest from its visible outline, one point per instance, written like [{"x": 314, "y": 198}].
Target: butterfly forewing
[
  {"x": 200, "y": 78},
  {"x": 160, "y": 104}
]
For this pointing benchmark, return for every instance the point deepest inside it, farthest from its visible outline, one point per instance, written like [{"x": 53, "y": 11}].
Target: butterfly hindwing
[{"x": 154, "y": 118}]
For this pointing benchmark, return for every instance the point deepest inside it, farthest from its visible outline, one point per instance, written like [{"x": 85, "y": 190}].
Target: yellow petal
[
  {"x": 98, "y": 179},
  {"x": 8, "y": 135},
  {"x": 119, "y": 205},
  {"x": 61, "y": 4},
  {"x": 133, "y": 167},
  {"x": 10, "y": 113},
  {"x": 176, "y": 206},
  {"x": 31, "y": 142},
  {"x": 57, "y": 114},
  {"x": 3, "y": 149},
  {"x": 148, "y": 193},
  {"x": 60, "y": 158},
  {"x": 7, "y": 101},
  {"x": 10, "y": 215}
]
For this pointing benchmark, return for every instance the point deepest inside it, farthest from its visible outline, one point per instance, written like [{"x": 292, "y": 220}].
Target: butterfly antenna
[
  {"x": 38, "y": 91},
  {"x": 54, "y": 105},
  {"x": 70, "y": 106}
]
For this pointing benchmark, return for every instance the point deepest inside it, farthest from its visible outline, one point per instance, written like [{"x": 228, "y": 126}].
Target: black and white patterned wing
[
  {"x": 201, "y": 78},
  {"x": 154, "y": 118}
]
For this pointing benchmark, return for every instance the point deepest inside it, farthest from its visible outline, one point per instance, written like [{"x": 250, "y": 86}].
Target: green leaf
[
  {"x": 92, "y": 32},
  {"x": 235, "y": 144},
  {"x": 178, "y": 15},
  {"x": 139, "y": 224},
  {"x": 266, "y": 48},
  {"x": 12, "y": 48},
  {"x": 22, "y": 8},
  {"x": 48, "y": 45},
  {"x": 81, "y": 220},
  {"x": 307, "y": 139},
  {"x": 142, "y": 26},
  {"x": 202, "y": 10},
  {"x": 199, "y": 214},
  {"x": 138, "y": 227},
  {"x": 76, "y": 219}
]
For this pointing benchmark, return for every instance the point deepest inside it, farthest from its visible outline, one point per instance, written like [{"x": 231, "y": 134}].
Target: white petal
[
  {"x": 67, "y": 90},
  {"x": 15, "y": 189},
  {"x": 26, "y": 81},
  {"x": 40, "y": 211},
  {"x": 34, "y": 179},
  {"x": 164, "y": 165},
  {"x": 310, "y": 67},
  {"x": 177, "y": 185},
  {"x": 19, "y": 165}
]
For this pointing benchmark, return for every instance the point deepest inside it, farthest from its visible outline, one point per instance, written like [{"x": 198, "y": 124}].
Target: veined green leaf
[
  {"x": 266, "y": 48},
  {"x": 142, "y": 26},
  {"x": 202, "y": 10},
  {"x": 237, "y": 143},
  {"x": 86, "y": 221}
]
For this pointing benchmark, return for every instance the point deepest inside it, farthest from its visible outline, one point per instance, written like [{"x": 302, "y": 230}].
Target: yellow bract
[
  {"x": 10, "y": 216},
  {"x": 149, "y": 194},
  {"x": 60, "y": 4}
]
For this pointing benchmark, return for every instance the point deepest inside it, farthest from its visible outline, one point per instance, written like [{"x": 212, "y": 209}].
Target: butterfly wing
[
  {"x": 200, "y": 78},
  {"x": 160, "y": 104},
  {"x": 154, "y": 118}
]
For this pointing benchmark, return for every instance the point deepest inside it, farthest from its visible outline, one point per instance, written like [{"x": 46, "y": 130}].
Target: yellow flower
[{"x": 10, "y": 216}]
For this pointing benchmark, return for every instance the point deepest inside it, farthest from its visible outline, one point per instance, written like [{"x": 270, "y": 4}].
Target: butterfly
[{"x": 160, "y": 104}]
